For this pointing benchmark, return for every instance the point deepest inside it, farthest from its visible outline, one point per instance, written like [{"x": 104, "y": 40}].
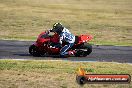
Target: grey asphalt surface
[{"x": 12, "y": 49}]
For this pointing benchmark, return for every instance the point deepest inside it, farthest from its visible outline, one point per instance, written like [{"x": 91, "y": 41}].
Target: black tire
[
  {"x": 88, "y": 47},
  {"x": 80, "y": 53},
  {"x": 81, "y": 80},
  {"x": 33, "y": 50},
  {"x": 85, "y": 46}
]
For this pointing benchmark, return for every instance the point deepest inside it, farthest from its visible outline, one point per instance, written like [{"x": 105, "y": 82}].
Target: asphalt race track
[{"x": 11, "y": 49}]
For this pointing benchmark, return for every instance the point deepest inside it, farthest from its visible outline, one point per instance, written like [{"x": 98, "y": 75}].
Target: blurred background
[{"x": 109, "y": 21}]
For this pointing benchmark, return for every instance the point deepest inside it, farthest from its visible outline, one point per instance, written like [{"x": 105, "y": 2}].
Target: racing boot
[{"x": 72, "y": 52}]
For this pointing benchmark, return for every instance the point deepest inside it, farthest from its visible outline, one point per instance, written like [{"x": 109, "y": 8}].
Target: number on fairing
[{"x": 68, "y": 36}]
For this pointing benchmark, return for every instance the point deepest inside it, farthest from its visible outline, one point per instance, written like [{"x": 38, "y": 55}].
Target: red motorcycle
[{"x": 46, "y": 45}]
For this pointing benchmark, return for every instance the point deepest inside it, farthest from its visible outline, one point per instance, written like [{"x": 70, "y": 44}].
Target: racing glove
[{"x": 48, "y": 31}]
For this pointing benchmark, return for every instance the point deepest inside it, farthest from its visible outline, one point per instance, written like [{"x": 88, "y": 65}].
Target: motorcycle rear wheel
[{"x": 84, "y": 50}]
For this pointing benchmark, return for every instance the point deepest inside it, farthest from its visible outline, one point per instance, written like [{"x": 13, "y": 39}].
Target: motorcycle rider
[{"x": 66, "y": 36}]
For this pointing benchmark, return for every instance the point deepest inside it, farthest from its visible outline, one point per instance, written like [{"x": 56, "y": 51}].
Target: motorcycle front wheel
[{"x": 33, "y": 50}]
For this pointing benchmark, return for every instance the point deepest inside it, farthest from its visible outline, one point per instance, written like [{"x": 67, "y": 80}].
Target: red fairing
[
  {"x": 55, "y": 38},
  {"x": 44, "y": 38},
  {"x": 84, "y": 38},
  {"x": 41, "y": 40}
]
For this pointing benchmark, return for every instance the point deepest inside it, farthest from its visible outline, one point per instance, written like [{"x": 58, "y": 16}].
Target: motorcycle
[{"x": 46, "y": 45}]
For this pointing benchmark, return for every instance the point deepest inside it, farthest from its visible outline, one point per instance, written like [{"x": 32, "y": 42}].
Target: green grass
[
  {"x": 58, "y": 74},
  {"x": 109, "y": 21}
]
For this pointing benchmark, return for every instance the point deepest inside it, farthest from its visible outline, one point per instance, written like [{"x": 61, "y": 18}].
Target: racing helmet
[{"x": 57, "y": 27}]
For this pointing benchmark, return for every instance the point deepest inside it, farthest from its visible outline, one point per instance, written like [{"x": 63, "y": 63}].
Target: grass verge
[
  {"x": 109, "y": 21},
  {"x": 55, "y": 74}
]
